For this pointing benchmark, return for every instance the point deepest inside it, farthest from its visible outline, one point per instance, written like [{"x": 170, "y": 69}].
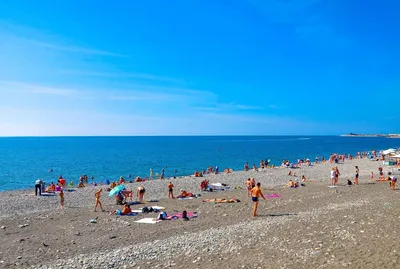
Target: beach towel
[
  {"x": 274, "y": 195},
  {"x": 137, "y": 211},
  {"x": 221, "y": 201},
  {"x": 148, "y": 221},
  {"x": 190, "y": 215},
  {"x": 132, "y": 214},
  {"x": 332, "y": 186}
]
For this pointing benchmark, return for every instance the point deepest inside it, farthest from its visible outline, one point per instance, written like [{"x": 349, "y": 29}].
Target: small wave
[{"x": 304, "y": 138}]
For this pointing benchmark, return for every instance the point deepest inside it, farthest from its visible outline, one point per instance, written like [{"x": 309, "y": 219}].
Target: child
[
  {"x": 372, "y": 176},
  {"x": 97, "y": 195},
  {"x": 61, "y": 199}
]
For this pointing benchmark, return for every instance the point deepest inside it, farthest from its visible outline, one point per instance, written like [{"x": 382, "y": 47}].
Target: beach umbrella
[{"x": 116, "y": 190}]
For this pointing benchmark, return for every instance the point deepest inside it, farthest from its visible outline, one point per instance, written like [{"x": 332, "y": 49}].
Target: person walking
[
  {"x": 255, "y": 195},
  {"x": 98, "y": 203},
  {"x": 38, "y": 187}
]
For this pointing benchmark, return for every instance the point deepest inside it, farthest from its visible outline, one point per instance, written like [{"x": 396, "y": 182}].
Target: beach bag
[
  {"x": 162, "y": 216},
  {"x": 145, "y": 209}
]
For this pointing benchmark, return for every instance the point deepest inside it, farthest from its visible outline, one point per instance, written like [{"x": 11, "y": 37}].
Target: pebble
[{"x": 3, "y": 227}]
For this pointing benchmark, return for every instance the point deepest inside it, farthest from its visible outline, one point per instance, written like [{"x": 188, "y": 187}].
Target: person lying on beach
[
  {"x": 125, "y": 211},
  {"x": 184, "y": 194}
]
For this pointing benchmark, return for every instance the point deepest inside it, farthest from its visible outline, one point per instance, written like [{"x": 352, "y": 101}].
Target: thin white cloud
[
  {"x": 59, "y": 47},
  {"x": 123, "y": 75},
  {"x": 35, "y": 89}
]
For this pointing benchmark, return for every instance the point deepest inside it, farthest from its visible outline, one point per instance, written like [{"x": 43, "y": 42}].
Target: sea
[{"x": 25, "y": 159}]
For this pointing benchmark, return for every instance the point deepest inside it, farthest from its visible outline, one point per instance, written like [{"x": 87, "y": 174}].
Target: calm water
[{"x": 23, "y": 160}]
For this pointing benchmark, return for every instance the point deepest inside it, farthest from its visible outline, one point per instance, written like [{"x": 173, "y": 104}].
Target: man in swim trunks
[
  {"x": 255, "y": 195},
  {"x": 171, "y": 190},
  {"x": 140, "y": 193},
  {"x": 97, "y": 195}
]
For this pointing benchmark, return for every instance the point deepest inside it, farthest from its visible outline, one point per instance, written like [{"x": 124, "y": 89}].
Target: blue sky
[{"x": 199, "y": 67}]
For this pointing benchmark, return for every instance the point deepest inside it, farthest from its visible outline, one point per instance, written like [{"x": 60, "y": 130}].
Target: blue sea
[{"x": 24, "y": 159}]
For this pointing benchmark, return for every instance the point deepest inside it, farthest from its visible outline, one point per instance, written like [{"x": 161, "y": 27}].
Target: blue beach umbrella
[{"x": 116, "y": 190}]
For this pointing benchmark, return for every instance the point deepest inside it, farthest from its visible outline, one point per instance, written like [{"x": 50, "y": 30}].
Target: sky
[{"x": 211, "y": 67}]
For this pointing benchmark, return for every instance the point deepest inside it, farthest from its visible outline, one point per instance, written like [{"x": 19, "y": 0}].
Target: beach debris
[
  {"x": 93, "y": 220},
  {"x": 45, "y": 245},
  {"x": 19, "y": 257},
  {"x": 23, "y": 225},
  {"x": 78, "y": 234},
  {"x": 112, "y": 237}
]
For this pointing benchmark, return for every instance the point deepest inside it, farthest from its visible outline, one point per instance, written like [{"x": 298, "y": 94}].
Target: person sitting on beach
[
  {"x": 196, "y": 173},
  {"x": 121, "y": 180},
  {"x": 81, "y": 185},
  {"x": 140, "y": 193},
  {"x": 303, "y": 178},
  {"x": 262, "y": 164},
  {"x": 291, "y": 173},
  {"x": 138, "y": 179},
  {"x": 58, "y": 187},
  {"x": 393, "y": 183},
  {"x": 125, "y": 211},
  {"x": 290, "y": 184},
  {"x": 183, "y": 194},
  {"x": 254, "y": 167},
  {"x": 51, "y": 188}
]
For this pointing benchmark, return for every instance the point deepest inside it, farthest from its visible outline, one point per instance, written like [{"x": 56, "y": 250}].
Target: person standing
[
  {"x": 171, "y": 190},
  {"x": 356, "y": 176},
  {"x": 151, "y": 174},
  {"x": 255, "y": 195},
  {"x": 98, "y": 203},
  {"x": 61, "y": 199},
  {"x": 162, "y": 173},
  {"x": 38, "y": 187},
  {"x": 140, "y": 193}
]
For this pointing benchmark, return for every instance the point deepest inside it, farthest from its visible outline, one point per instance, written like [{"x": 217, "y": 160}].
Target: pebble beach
[{"x": 313, "y": 226}]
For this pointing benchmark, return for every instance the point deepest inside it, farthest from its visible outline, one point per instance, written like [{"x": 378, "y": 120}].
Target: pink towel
[{"x": 274, "y": 195}]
